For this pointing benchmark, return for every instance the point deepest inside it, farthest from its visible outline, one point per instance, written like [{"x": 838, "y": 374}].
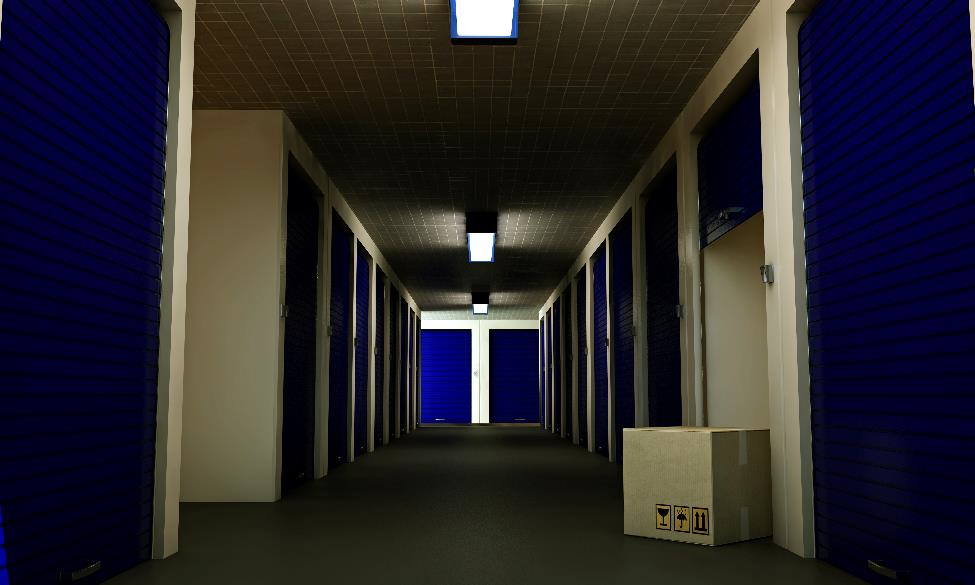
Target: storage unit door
[
  {"x": 621, "y": 256},
  {"x": 582, "y": 367},
  {"x": 663, "y": 300},
  {"x": 393, "y": 359},
  {"x": 729, "y": 159},
  {"x": 541, "y": 372},
  {"x": 888, "y": 152},
  {"x": 513, "y": 366},
  {"x": 548, "y": 370},
  {"x": 567, "y": 361},
  {"x": 361, "y": 344},
  {"x": 411, "y": 387},
  {"x": 338, "y": 358},
  {"x": 600, "y": 364},
  {"x": 557, "y": 367},
  {"x": 404, "y": 368},
  {"x": 380, "y": 373},
  {"x": 300, "y": 334},
  {"x": 83, "y": 107},
  {"x": 446, "y": 370}
]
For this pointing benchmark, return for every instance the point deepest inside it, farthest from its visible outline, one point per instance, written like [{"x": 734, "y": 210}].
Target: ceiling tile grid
[{"x": 415, "y": 130}]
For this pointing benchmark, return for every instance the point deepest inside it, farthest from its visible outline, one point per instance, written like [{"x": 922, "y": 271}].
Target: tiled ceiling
[{"x": 415, "y": 130}]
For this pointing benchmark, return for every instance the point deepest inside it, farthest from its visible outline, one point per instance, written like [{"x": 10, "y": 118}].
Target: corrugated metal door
[
  {"x": 888, "y": 153},
  {"x": 380, "y": 372},
  {"x": 621, "y": 256},
  {"x": 729, "y": 160},
  {"x": 513, "y": 363},
  {"x": 446, "y": 370},
  {"x": 300, "y": 333},
  {"x": 411, "y": 388},
  {"x": 404, "y": 369},
  {"x": 557, "y": 366},
  {"x": 541, "y": 371},
  {"x": 361, "y": 344},
  {"x": 393, "y": 358},
  {"x": 663, "y": 299},
  {"x": 582, "y": 367},
  {"x": 548, "y": 370},
  {"x": 567, "y": 365},
  {"x": 83, "y": 109},
  {"x": 340, "y": 314},
  {"x": 600, "y": 363}
]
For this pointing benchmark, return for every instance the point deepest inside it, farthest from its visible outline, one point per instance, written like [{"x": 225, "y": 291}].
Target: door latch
[{"x": 284, "y": 311}]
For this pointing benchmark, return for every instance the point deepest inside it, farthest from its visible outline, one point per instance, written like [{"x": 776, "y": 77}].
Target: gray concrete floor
[{"x": 444, "y": 506}]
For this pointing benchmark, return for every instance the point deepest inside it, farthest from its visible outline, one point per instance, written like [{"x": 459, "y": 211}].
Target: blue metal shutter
[
  {"x": 541, "y": 371},
  {"x": 338, "y": 358},
  {"x": 583, "y": 366},
  {"x": 557, "y": 366},
  {"x": 621, "y": 256},
  {"x": 411, "y": 389},
  {"x": 513, "y": 361},
  {"x": 729, "y": 160},
  {"x": 393, "y": 357},
  {"x": 600, "y": 365},
  {"x": 663, "y": 298},
  {"x": 888, "y": 130},
  {"x": 361, "y": 422},
  {"x": 83, "y": 110},
  {"x": 446, "y": 376},
  {"x": 567, "y": 359},
  {"x": 549, "y": 423},
  {"x": 380, "y": 374},
  {"x": 300, "y": 333},
  {"x": 404, "y": 372}
]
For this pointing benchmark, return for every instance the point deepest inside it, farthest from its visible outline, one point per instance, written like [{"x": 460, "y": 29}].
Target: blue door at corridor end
[
  {"x": 600, "y": 364},
  {"x": 513, "y": 359},
  {"x": 446, "y": 375},
  {"x": 888, "y": 132},
  {"x": 83, "y": 122}
]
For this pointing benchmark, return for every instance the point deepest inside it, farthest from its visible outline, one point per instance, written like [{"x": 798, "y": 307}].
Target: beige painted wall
[
  {"x": 230, "y": 414},
  {"x": 735, "y": 347}
]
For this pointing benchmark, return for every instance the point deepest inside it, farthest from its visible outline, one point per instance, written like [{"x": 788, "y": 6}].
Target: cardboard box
[{"x": 697, "y": 484}]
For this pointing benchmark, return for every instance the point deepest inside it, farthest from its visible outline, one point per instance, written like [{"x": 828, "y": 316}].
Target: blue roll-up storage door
[
  {"x": 361, "y": 344},
  {"x": 600, "y": 364},
  {"x": 549, "y": 423},
  {"x": 557, "y": 366},
  {"x": 541, "y": 371},
  {"x": 338, "y": 358},
  {"x": 582, "y": 367},
  {"x": 888, "y": 130},
  {"x": 567, "y": 360},
  {"x": 380, "y": 372},
  {"x": 83, "y": 109},
  {"x": 663, "y": 298},
  {"x": 393, "y": 358},
  {"x": 419, "y": 373},
  {"x": 404, "y": 370},
  {"x": 729, "y": 160},
  {"x": 446, "y": 371},
  {"x": 513, "y": 366},
  {"x": 411, "y": 388},
  {"x": 300, "y": 332},
  {"x": 621, "y": 256}
]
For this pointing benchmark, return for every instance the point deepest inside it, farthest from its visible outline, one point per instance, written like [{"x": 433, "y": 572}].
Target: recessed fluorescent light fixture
[
  {"x": 482, "y": 230},
  {"x": 484, "y": 20},
  {"x": 479, "y": 301}
]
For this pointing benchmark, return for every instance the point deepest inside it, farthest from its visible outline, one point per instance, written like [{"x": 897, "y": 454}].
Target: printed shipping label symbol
[
  {"x": 701, "y": 521},
  {"x": 682, "y": 518},
  {"x": 663, "y": 517}
]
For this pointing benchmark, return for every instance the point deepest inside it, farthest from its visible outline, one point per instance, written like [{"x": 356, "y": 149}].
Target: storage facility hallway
[{"x": 458, "y": 505}]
